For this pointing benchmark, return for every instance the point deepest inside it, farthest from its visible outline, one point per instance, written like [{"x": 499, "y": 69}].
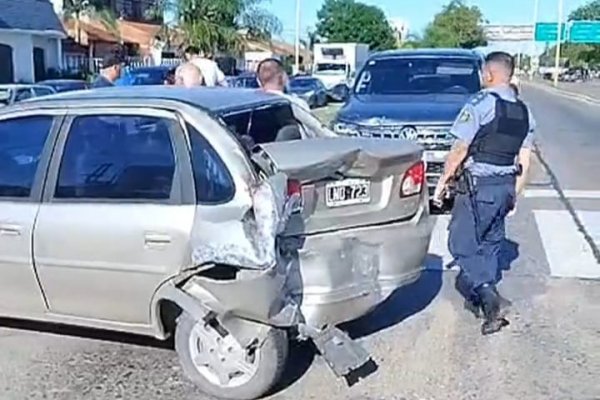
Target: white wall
[
  {"x": 52, "y": 53},
  {"x": 22, "y": 46}
]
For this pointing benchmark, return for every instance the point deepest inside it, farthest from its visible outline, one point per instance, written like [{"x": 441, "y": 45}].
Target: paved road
[
  {"x": 590, "y": 88},
  {"x": 426, "y": 346}
]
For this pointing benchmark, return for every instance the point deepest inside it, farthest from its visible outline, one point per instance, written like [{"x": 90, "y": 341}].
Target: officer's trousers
[{"x": 477, "y": 229}]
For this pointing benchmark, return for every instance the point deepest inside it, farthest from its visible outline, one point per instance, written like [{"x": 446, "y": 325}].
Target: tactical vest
[{"x": 499, "y": 141}]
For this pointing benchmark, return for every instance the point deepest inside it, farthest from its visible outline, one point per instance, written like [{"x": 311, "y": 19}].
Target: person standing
[
  {"x": 110, "y": 72},
  {"x": 272, "y": 78},
  {"x": 213, "y": 76},
  {"x": 489, "y": 163}
]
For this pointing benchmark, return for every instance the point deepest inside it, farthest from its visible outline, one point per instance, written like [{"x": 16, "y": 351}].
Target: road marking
[
  {"x": 591, "y": 221},
  {"x": 567, "y": 252},
  {"x": 569, "y": 194}
]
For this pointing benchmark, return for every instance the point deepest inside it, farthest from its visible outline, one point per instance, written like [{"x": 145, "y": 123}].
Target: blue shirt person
[
  {"x": 503, "y": 129},
  {"x": 110, "y": 72}
]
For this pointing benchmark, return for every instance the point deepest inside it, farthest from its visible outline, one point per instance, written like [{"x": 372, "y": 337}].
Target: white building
[{"x": 30, "y": 40}]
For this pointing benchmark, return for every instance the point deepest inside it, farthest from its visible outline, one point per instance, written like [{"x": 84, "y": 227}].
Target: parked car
[
  {"x": 147, "y": 75},
  {"x": 65, "y": 85},
  {"x": 15, "y": 93},
  {"x": 414, "y": 95},
  {"x": 310, "y": 90},
  {"x": 142, "y": 210},
  {"x": 244, "y": 80}
]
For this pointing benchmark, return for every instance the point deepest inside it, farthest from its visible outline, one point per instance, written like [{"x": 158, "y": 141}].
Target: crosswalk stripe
[
  {"x": 570, "y": 194},
  {"x": 567, "y": 252}
]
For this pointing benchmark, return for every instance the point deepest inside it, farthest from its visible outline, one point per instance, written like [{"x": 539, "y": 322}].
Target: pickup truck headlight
[{"x": 346, "y": 129}]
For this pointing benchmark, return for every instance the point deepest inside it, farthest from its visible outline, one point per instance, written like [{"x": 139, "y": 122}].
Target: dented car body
[{"x": 233, "y": 249}]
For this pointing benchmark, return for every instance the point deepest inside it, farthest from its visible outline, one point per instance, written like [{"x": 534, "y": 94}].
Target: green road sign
[
  {"x": 547, "y": 32},
  {"x": 584, "y": 32}
]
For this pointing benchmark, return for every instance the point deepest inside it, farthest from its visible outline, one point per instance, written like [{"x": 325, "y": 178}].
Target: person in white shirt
[
  {"x": 213, "y": 76},
  {"x": 272, "y": 78}
]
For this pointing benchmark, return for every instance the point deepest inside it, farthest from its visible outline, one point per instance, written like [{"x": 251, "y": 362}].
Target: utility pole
[
  {"x": 533, "y": 55},
  {"x": 558, "y": 40},
  {"x": 297, "y": 36}
]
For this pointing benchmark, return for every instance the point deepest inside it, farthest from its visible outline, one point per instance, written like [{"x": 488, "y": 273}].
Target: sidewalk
[{"x": 589, "y": 91}]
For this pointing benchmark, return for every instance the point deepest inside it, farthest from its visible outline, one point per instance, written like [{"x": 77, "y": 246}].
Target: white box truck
[{"x": 337, "y": 63}]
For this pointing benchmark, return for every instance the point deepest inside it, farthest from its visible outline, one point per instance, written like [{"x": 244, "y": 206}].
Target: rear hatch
[{"x": 348, "y": 182}]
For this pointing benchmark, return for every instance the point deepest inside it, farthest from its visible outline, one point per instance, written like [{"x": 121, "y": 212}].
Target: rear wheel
[{"x": 215, "y": 361}]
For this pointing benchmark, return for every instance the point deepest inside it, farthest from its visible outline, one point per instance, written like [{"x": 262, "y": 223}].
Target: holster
[{"x": 464, "y": 183}]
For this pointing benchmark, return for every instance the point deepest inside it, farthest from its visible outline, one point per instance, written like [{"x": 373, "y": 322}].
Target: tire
[{"x": 268, "y": 367}]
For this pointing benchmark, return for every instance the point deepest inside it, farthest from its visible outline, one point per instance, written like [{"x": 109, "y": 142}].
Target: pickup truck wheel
[{"x": 215, "y": 361}]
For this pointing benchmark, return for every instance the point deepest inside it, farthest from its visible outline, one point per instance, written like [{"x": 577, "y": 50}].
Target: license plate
[
  {"x": 347, "y": 192},
  {"x": 435, "y": 156}
]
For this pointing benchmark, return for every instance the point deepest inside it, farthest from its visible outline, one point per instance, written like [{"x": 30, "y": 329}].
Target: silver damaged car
[{"x": 163, "y": 211}]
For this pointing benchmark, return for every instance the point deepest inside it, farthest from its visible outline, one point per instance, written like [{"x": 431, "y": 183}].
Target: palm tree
[{"x": 220, "y": 24}]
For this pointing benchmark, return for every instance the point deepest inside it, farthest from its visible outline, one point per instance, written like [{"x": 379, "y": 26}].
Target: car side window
[
  {"x": 117, "y": 157},
  {"x": 22, "y": 142},
  {"x": 40, "y": 91},
  {"x": 212, "y": 178},
  {"x": 23, "y": 94},
  {"x": 238, "y": 122},
  {"x": 274, "y": 123}
]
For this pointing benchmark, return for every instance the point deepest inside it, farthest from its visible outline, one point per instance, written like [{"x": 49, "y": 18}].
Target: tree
[
  {"x": 215, "y": 25},
  {"x": 457, "y": 25},
  {"x": 352, "y": 21},
  {"x": 584, "y": 53},
  {"x": 93, "y": 9}
]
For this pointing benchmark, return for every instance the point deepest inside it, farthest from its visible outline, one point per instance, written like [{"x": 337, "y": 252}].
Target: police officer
[
  {"x": 488, "y": 166},
  {"x": 110, "y": 72}
]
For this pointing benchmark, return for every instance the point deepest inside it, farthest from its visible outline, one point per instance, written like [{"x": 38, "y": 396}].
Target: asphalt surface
[{"x": 426, "y": 346}]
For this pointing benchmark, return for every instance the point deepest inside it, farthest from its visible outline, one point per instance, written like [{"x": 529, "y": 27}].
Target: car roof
[
  {"x": 427, "y": 53},
  {"x": 21, "y": 85},
  {"x": 47, "y": 81},
  {"x": 212, "y": 99}
]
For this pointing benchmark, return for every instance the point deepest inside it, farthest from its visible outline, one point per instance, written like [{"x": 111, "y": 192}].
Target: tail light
[
  {"x": 294, "y": 187},
  {"x": 413, "y": 180}
]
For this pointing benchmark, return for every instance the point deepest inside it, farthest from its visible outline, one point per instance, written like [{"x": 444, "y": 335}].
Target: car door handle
[
  {"x": 156, "y": 239},
  {"x": 10, "y": 230}
]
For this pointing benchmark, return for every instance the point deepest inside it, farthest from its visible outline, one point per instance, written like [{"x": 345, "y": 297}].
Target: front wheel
[{"x": 215, "y": 361}]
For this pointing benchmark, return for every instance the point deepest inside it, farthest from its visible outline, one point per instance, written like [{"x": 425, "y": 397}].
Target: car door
[
  {"x": 117, "y": 214},
  {"x": 26, "y": 141}
]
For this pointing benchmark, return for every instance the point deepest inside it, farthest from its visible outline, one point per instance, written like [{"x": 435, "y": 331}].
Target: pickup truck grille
[{"x": 430, "y": 137}]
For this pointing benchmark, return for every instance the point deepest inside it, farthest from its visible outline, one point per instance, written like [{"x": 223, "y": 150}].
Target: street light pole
[
  {"x": 558, "y": 40},
  {"x": 536, "y": 10},
  {"x": 297, "y": 36}
]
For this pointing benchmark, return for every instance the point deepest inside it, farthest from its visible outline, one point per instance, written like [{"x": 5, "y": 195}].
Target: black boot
[
  {"x": 472, "y": 302},
  {"x": 504, "y": 305},
  {"x": 494, "y": 313}
]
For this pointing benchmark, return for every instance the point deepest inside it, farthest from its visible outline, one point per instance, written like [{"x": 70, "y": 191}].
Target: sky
[{"x": 418, "y": 13}]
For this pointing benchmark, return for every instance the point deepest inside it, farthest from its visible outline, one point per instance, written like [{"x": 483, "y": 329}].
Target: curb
[{"x": 565, "y": 93}]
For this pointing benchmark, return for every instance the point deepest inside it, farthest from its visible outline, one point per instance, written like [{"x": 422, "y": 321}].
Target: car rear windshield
[
  {"x": 397, "y": 76},
  {"x": 149, "y": 76}
]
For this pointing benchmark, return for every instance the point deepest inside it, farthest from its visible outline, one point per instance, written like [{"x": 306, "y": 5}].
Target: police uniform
[{"x": 496, "y": 125}]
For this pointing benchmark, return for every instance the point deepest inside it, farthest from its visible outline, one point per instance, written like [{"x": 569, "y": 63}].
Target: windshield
[
  {"x": 4, "y": 97},
  {"x": 419, "y": 76},
  {"x": 331, "y": 68},
  {"x": 302, "y": 83}
]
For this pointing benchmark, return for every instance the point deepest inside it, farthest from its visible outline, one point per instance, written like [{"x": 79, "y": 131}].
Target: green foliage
[
  {"x": 588, "y": 12},
  {"x": 220, "y": 25},
  {"x": 457, "y": 25},
  {"x": 582, "y": 54},
  {"x": 94, "y": 9},
  {"x": 352, "y": 21}
]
